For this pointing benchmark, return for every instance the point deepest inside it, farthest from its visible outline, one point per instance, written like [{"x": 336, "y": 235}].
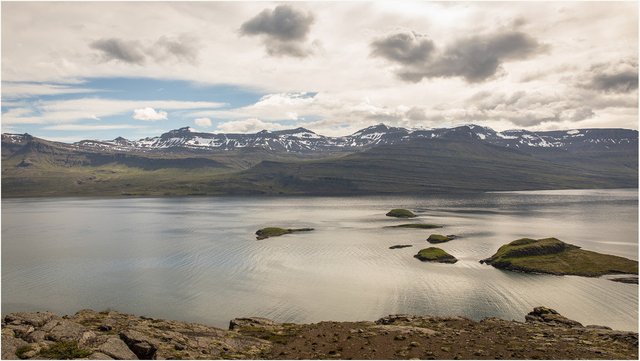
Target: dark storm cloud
[
  {"x": 475, "y": 59},
  {"x": 287, "y": 48},
  {"x": 619, "y": 83},
  {"x": 134, "y": 52},
  {"x": 284, "y": 30},
  {"x": 182, "y": 49},
  {"x": 121, "y": 50},
  {"x": 621, "y": 79},
  {"x": 404, "y": 48},
  {"x": 284, "y": 23}
]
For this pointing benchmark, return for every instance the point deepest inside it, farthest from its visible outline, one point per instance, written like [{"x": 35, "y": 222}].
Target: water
[{"x": 196, "y": 259}]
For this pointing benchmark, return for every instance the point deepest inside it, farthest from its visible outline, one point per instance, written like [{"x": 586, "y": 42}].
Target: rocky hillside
[{"x": 113, "y": 335}]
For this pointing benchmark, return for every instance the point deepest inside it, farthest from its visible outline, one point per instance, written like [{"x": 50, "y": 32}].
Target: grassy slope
[
  {"x": 431, "y": 166},
  {"x": 421, "y": 167},
  {"x": 59, "y": 170}
]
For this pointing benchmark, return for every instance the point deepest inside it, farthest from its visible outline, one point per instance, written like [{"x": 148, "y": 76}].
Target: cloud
[
  {"x": 283, "y": 23},
  {"x": 475, "y": 59},
  {"x": 11, "y": 90},
  {"x": 270, "y": 107},
  {"x": 405, "y": 48},
  {"x": 91, "y": 127},
  {"x": 614, "y": 77},
  {"x": 121, "y": 50},
  {"x": 182, "y": 49},
  {"x": 287, "y": 48},
  {"x": 202, "y": 122},
  {"x": 73, "y": 110},
  {"x": 284, "y": 30},
  {"x": 248, "y": 126},
  {"x": 149, "y": 114},
  {"x": 527, "y": 109}
]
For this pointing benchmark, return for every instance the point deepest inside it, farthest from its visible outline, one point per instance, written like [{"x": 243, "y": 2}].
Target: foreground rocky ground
[{"x": 112, "y": 335}]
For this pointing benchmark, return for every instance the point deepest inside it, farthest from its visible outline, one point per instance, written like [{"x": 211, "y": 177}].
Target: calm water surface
[{"x": 196, "y": 259}]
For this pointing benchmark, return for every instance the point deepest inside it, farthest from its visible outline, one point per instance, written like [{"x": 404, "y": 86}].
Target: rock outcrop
[
  {"x": 113, "y": 335},
  {"x": 550, "y": 316}
]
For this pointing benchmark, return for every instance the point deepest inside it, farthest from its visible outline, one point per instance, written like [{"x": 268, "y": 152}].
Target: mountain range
[
  {"x": 301, "y": 140},
  {"x": 376, "y": 160}
]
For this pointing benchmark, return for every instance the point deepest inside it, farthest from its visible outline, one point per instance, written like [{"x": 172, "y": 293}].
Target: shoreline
[
  {"x": 113, "y": 335},
  {"x": 302, "y": 195}
]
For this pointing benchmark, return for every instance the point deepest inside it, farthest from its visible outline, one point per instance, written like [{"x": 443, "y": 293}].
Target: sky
[{"x": 98, "y": 70}]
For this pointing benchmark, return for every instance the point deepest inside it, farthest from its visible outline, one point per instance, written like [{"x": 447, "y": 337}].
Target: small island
[
  {"x": 552, "y": 256},
  {"x": 631, "y": 280},
  {"x": 398, "y": 246},
  {"x": 400, "y": 213},
  {"x": 415, "y": 225},
  {"x": 438, "y": 238},
  {"x": 433, "y": 254},
  {"x": 277, "y": 231}
]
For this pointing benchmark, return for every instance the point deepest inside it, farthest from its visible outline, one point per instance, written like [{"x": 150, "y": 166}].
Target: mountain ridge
[
  {"x": 374, "y": 160},
  {"x": 302, "y": 140}
]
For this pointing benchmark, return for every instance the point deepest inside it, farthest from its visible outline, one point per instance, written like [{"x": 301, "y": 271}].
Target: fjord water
[{"x": 197, "y": 259}]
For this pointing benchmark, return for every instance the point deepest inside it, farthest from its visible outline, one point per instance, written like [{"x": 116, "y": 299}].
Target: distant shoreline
[{"x": 299, "y": 195}]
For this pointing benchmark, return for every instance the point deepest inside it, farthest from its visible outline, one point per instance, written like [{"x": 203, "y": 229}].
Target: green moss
[
  {"x": 400, "y": 213},
  {"x": 277, "y": 231},
  {"x": 550, "y": 255},
  {"x": 22, "y": 350},
  {"x": 64, "y": 350},
  {"x": 415, "y": 225},
  {"x": 434, "y": 254},
  {"x": 438, "y": 238}
]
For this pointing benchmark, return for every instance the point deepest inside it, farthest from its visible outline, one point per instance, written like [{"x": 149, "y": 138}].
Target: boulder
[
  {"x": 116, "y": 348},
  {"x": 36, "y": 336},
  {"x": 99, "y": 356},
  {"x": 66, "y": 330},
  {"x": 550, "y": 316},
  {"x": 22, "y": 330},
  {"x": 35, "y": 319},
  {"x": 144, "y": 347},
  {"x": 10, "y": 345}
]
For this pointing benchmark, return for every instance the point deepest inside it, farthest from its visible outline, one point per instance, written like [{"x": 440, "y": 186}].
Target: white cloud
[
  {"x": 73, "y": 110},
  {"x": 21, "y": 90},
  {"x": 248, "y": 126},
  {"x": 202, "y": 122},
  {"x": 91, "y": 127},
  {"x": 149, "y": 113}
]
